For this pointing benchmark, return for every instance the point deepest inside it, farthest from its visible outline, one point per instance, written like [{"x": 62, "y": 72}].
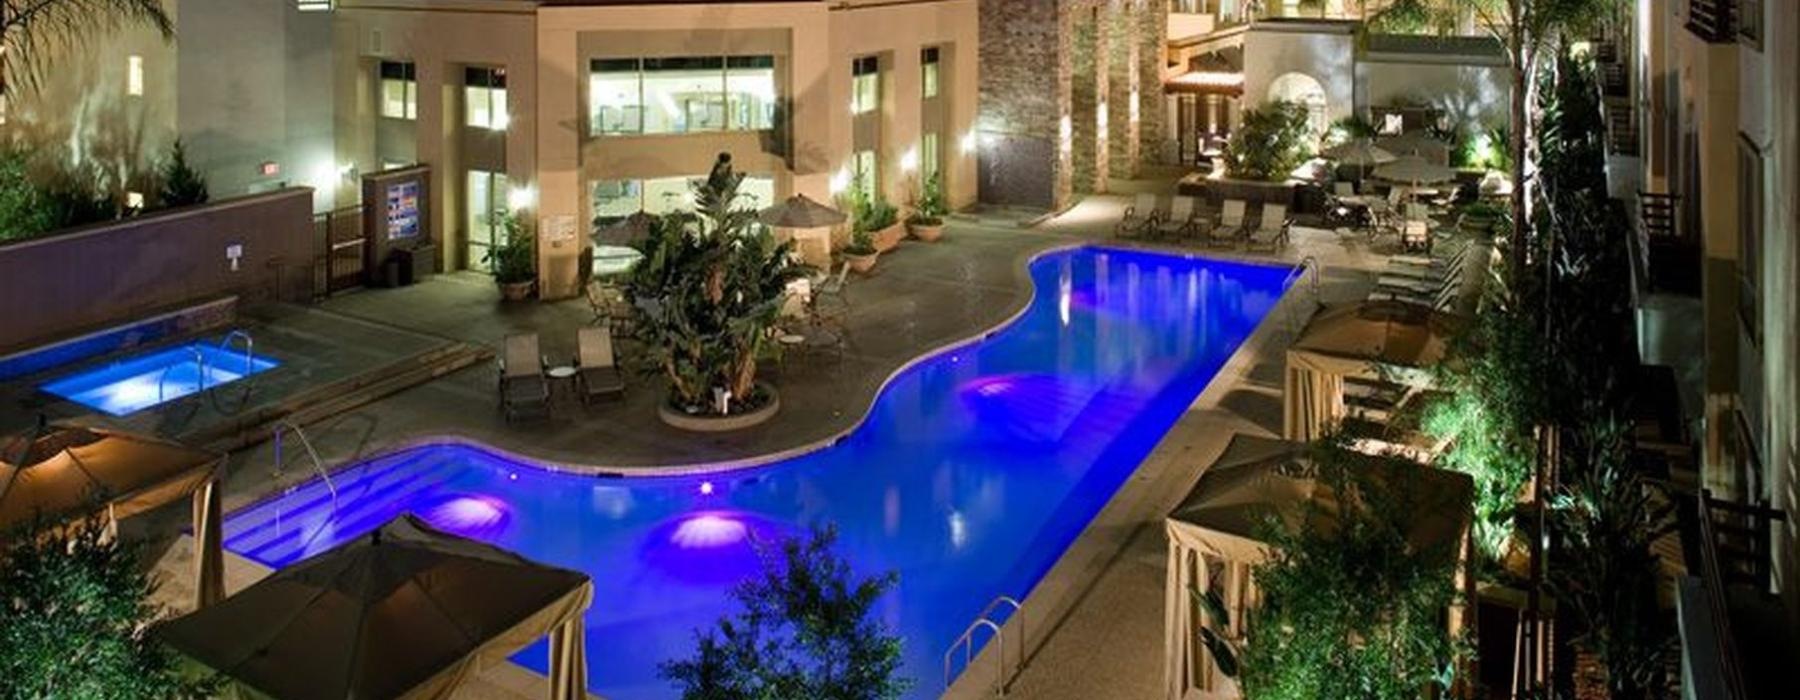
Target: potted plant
[
  {"x": 861, "y": 253},
  {"x": 927, "y": 220},
  {"x": 881, "y": 220},
  {"x": 705, "y": 296},
  {"x": 513, "y": 258}
]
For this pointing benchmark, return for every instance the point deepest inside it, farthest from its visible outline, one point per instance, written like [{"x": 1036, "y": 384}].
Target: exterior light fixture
[
  {"x": 909, "y": 161},
  {"x": 969, "y": 142},
  {"x": 840, "y": 181},
  {"x": 521, "y": 198}
]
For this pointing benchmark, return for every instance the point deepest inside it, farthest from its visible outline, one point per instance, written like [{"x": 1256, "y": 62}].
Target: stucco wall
[
  {"x": 100, "y": 275},
  {"x": 1469, "y": 94},
  {"x": 1324, "y": 51}
]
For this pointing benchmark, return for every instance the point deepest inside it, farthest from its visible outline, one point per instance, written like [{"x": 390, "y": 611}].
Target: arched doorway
[{"x": 1308, "y": 92}]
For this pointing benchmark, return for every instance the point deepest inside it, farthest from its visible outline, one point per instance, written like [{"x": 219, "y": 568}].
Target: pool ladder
[
  {"x": 199, "y": 365},
  {"x": 1299, "y": 274},
  {"x": 966, "y": 642},
  {"x": 249, "y": 346},
  {"x": 284, "y": 427}
]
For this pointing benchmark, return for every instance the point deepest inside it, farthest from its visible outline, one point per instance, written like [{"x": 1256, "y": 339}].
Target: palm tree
[{"x": 32, "y": 31}]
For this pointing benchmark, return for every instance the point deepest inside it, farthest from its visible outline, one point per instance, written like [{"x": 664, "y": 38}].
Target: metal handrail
[
  {"x": 249, "y": 346},
  {"x": 1297, "y": 274},
  {"x": 318, "y": 464},
  {"x": 199, "y": 366},
  {"x": 1715, "y": 601},
  {"x": 966, "y": 641}
]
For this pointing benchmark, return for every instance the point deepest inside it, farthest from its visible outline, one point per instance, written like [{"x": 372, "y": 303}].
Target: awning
[
  {"x": 1367, "y": 340},
  {"x": 1202, "y": 82},
  {"x": 405, "y": 611}
]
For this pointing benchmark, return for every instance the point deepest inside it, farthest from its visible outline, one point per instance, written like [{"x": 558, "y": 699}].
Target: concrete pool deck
[{"x": 1095, "y": 621}]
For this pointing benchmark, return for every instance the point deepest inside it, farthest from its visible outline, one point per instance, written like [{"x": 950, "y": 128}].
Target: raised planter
[
  {"x": 887, "y": 238},
  {"x": 862, "y": 263},
  {"x": 928, "y": 233},
  {"x": 704, "y": 423},
  {"x": 515, "y": 291}
]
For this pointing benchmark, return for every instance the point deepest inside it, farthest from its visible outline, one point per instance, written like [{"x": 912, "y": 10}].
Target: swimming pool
[
  {"x": 974, "y": 471},
  {"x": 141, "y": 381}
]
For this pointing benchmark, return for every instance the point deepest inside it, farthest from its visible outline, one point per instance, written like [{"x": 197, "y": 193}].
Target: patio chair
[
  {"x": 597, "y": 371},
  {"x": 827, "y": 302},
  {"x": 1271, "y": 231},
  {"x": 1420, "y": 286},
  {"x": 1140, "y": 215},
  {"x": 523, "y": 385},
  {"x": 1180, "y": 219},
  {"x": 1426, "y": 267},
  {"x": 1225, "y": 232}
]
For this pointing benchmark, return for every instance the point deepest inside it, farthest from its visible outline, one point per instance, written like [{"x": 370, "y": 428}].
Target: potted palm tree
[
  {"x": 705, "y": 296},
  {"x": 513, "y": 258},
  {"x": 927, "y": 220}
]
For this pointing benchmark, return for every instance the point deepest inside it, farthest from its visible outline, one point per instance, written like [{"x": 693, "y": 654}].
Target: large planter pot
[
  {"x": 887, "y": 238},
  {"x": 862, "y": 263},
  {"x": 705, "y": 423},
  {"x": 926, "y": 232},
  {"x": 515, "y": 291}
]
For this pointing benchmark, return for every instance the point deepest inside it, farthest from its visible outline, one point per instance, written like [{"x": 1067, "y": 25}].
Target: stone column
[{"x": 1125, "y": 88}]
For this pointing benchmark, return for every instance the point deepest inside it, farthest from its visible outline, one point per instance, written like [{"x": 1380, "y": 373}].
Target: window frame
[
  {"x": 490, "y": 79},
  {"x": 734, "y": 114},
  {"x": 865, "y": 68},
  {"x": 1752, "y": 198},
  {"x": 407, "y": 74},
  {"x": 1750, "y": 28},
  {"x": 931, "y": 72}
]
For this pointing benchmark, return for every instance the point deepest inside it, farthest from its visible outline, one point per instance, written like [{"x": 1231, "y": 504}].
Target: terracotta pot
[
  {"x": 887, "y": 238},
  {"x": 926, "y": 232},
  {"x": 862, "y": 263},
  {"x": 515, "y": 291},
  {"x": 701, "y": 423}
]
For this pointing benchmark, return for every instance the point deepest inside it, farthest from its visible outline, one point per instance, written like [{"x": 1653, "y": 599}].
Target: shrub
[
  {"x": 514, "y": 258},
  {"x": 74, "y": 620},
  {"x": 1270, "y": 143},
  {"x": 181, "y": 185},
  {"x": 806, "y": 630},
  {"x": 929, "y": 207}
]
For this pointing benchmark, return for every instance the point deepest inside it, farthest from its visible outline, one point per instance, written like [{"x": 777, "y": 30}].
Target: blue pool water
[
  {"x": 141, "y": 381},
  {"x": 974, "y": 471}
]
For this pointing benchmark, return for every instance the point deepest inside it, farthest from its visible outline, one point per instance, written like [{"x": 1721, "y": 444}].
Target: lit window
[
  {"x": 614, "y": 200},
  {"x": 928, "y": 66},
  {"x": 484, "y": 97},
  {"x": 862, "y": 169},
  {"x": 681, "y": 95},
  {"x": 399, "y": 90},
  {"x": 928, "y": 154},
  {"x": 313, "y": 5},
  {"x": 134, "y": 76},
  {"x": 865, "y": 85},
  {"x": 486, "y": 202}
]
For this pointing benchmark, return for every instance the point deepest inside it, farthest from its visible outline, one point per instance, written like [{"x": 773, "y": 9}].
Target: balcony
[
  {"x": 1668, "y": 255},
  {"x": 1714, "y": 21}
]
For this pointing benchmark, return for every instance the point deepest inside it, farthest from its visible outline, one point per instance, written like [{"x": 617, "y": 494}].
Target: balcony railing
[
  {"x": 1656, "y": 211},
  {"x": 1713, "y": 20}
]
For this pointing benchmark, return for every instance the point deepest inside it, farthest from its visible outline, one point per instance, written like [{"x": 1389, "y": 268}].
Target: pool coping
[{"x": 1021, "y": 270}]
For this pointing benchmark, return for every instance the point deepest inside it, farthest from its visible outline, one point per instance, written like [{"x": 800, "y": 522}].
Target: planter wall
[{"x": 721, "y": 424}]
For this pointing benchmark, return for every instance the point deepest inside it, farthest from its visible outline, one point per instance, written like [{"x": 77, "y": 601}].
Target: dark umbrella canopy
[
  {"x": 60, "y": 472},
  {"x": 404, "y": 611},
  {"x": 800, "y": 211}
]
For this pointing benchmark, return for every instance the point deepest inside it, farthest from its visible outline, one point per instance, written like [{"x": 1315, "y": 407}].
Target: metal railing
[
  {"x": 1713, "y": 20},
  {"x": 249, "y": 346},
  {"x": 1296, "y": 275},
  {"x": 966, "y": 642},
  {"x": 1656, "y": 211},
  {"x": 199, "y": 369},
  {"x": 284, "y": 427}
]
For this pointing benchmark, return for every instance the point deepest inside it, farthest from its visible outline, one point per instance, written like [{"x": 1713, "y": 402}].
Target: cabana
[
  {"x": 61, "y": 472},
  {"x": 1374, "y": 341},
  {"x": 1215, "y": 541},
  {"x": 405, "y": 611}
]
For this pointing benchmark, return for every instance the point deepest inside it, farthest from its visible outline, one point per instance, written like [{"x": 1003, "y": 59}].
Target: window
[
  {"x": 1750, "y": 22},
  {"x": 1750, "y": 234},
  {"x": 929, "y": 158},
  {"x": 928, "y": 71},
  {"x": 134, "y": 76},
  {"x": 486, "y": 202},
  {"x": 484, "y": 98},
  {"x": 681, "y": 95},
  {"x": 863, "y": 171},
  {"x": 614, "y": 200},
  {"x": 399, "y": 90},
  {"x": 865, "y": 85}
]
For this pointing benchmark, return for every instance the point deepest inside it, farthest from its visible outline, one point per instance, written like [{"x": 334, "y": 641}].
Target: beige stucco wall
[{"x": 1328, "y": 56}]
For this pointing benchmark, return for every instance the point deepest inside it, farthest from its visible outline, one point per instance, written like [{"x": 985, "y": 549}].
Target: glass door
[{"x": 486, "y": 203}]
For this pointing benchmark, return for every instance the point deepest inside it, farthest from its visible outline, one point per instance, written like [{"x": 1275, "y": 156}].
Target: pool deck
[{"x": 1095, "y": 622}]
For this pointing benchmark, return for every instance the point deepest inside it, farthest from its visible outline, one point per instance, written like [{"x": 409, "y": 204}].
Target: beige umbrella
[
  {"x": 1413, "y": 143},
  {"x": 60, "y": 472},
  {"x": 1360, "y": 152},
  {"x": 405, "y": 611},
  {"x": 1414, "y": 170},
  {"x": 800, "y": 212}
]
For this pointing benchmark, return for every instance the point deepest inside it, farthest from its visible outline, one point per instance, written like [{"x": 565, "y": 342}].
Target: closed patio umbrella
[
  {"x": 404, "y": 611},
  {"x": 60, "y": 472}
]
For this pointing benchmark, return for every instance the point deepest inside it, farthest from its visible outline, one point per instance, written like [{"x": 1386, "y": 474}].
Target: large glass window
[
  {"x": 399, "y": 90},
  {"x": 929, "y": 155},
  {"x": 1750, "y": 236},
  {"x": 484, "y": 97},
  {"x": 486, "y": 201},
  {"x": 862, "y": 170},
  {"x": 928, "y": 72},
  {"x": 865, "y": 85},
  {"x": 681, "y": 95},
  {"x": 614, "y": 200}
]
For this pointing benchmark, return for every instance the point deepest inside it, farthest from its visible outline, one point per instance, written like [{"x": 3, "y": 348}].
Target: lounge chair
[
  {"x": 523, "y": 386},
  {"x": 1140, "y": 216},
  {"x": 1271, "y": 231},
  {"x": 597, "y": 372},
  {"x": 1426, "y": 267},
  {"x": 1444, "y": 301},
  {"x": 1226, "y": 231},
  {"x": 1180, "y": 219}
]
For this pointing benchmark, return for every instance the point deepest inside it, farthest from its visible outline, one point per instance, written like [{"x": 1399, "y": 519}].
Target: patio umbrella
[
  {"x": 801, "y": 212},
  {"x": 1414, "y": 170},
  {"x": 404, "y": 611},
  {"x": 1359, "y": 152},
  {"x": 61, "y": 472},
  {"x": 1415, "y": 143}
]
